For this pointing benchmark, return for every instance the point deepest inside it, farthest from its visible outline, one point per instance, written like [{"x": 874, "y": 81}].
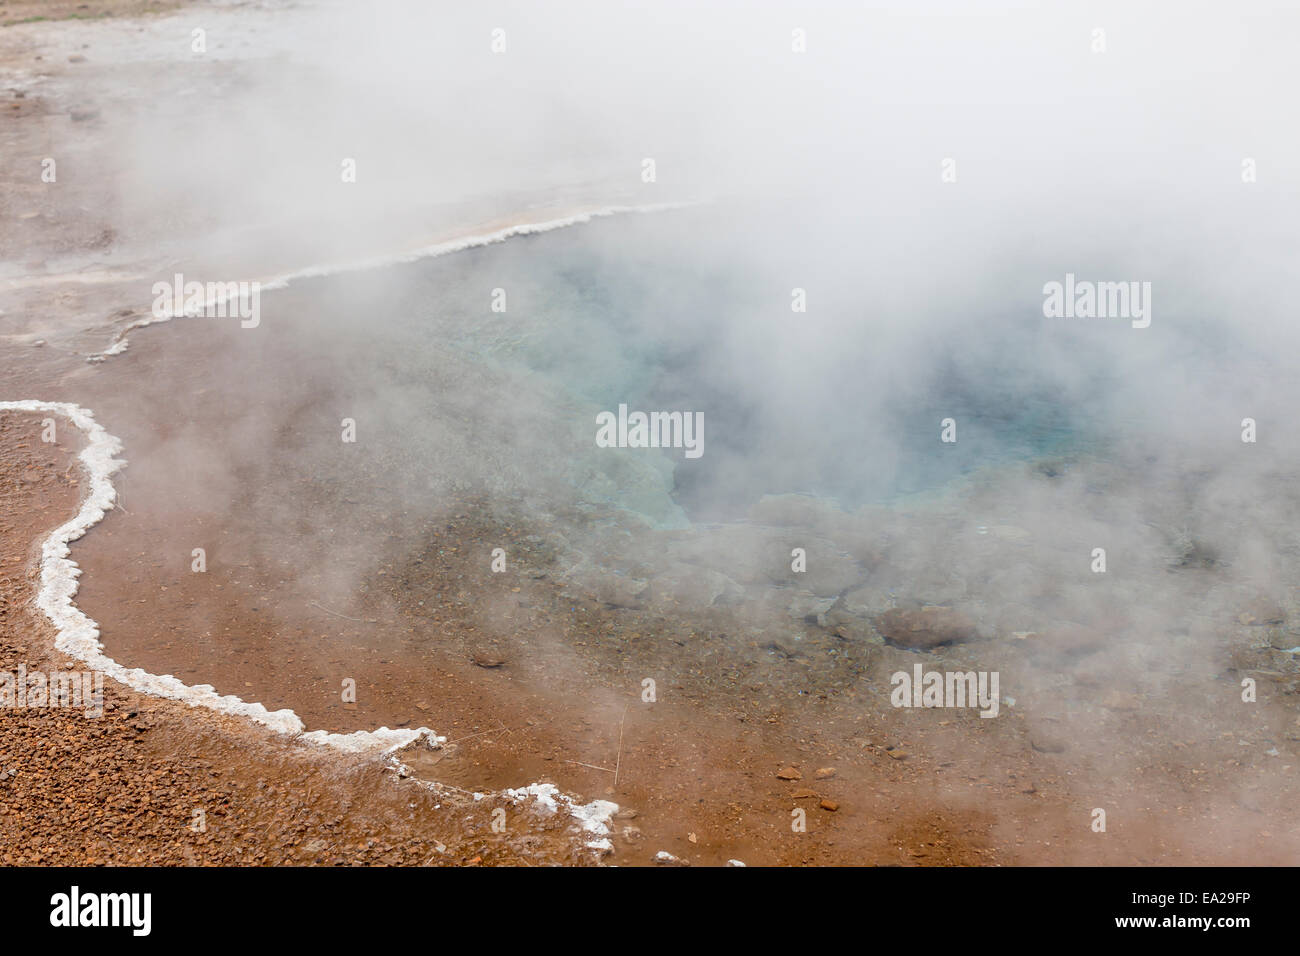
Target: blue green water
[{"x": 670, "y": 312}]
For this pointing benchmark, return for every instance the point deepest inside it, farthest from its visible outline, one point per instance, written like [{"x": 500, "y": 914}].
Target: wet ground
[{"x": 327, "y": 561}]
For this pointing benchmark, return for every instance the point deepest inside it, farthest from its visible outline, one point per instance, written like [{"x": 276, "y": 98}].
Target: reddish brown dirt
[
  {"x": 912, "y": 788},
  {"x": 124, "y": 788},
  {"x": 928, "y": 787},
  {"x": 702, "y": 760}
]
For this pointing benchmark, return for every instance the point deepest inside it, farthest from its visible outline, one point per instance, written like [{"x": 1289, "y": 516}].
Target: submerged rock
[
  {"x": 686, "y": 587},
  {"x": 829, "y": 574},
  {"x": 852, "y": 613},
  {"x": 745, "y": 553},
  {"x": 1262, "y": 612},
  {"x": 807, "y": 607},
  {"x": 926, "y": 628},
  {"x": 606, "y": 586}
]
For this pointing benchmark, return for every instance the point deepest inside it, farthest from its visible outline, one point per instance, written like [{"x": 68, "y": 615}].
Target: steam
[{"x": 920, "y": 173}]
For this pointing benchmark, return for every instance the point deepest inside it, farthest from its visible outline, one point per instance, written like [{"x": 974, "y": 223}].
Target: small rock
[
  {"x": 830, "y": 805},
  {"x": 789, "y": 653},
  {"x": 788, "y": 773},
  {"x": 803, "y": 793},
  {"x": 487, "y": 659},
  {"x": 824, "y": 773},
  {"x": 1261, "y": 614}
]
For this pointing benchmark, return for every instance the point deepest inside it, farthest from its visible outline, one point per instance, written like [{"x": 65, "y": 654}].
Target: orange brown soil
[
  {"x": 909, "y": 788},
  {"x": 1184, "y": 779},
  {"x": 927, "y": 787},
  {"x": 124, "y": 788}
]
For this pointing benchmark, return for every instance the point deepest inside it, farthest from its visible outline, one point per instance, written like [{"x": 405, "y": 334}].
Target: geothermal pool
[
  {"x": 673, "y": 312},
  {"x": 352, "y": 464}
]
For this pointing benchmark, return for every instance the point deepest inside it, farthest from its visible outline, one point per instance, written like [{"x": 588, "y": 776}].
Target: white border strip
[
  {"x": 78, "y": 636},
  {"x": 425, "y": 252}
]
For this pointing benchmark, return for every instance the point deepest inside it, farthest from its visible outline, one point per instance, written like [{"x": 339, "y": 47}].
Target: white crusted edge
[
  {"x": 78, "y": 636},
  {"x": 120, "y": 342},
  {"x": 593, "y": 818}
]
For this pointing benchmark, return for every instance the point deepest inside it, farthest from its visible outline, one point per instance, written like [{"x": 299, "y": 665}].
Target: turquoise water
[
  {"x": 691, "y": 311},
  {"x": 666, "y": 312}
]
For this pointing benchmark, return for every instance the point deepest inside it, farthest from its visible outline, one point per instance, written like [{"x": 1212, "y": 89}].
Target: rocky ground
[
  {"x": 127, "y": 787},
  {"x": 772, "y": 687},
  {"x": 157, "y": 782}
]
